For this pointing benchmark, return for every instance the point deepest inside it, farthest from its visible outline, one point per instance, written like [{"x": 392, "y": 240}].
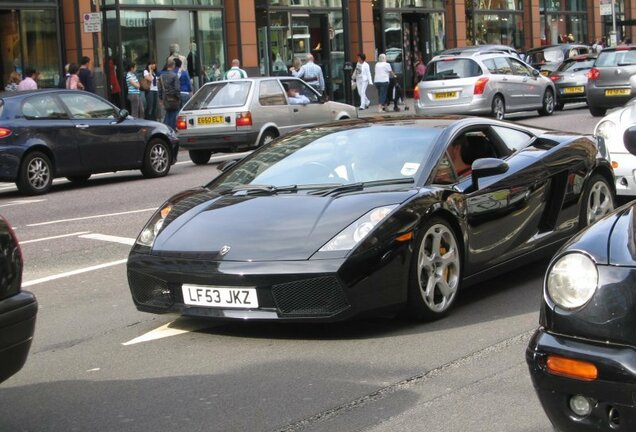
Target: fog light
[{"x": 580, "y": 405}]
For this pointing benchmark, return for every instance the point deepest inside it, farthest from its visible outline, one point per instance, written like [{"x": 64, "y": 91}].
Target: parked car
[
  {"x": 18, "y": 308},
  {"x": 612, "y": 80},
  {"x": 372, "y": 214},
  {"x": 570, "y": 79},
  {"x": 610, "y": 130},
  {"x": 582, "y": 359},
  {"x": 482, "y": 48},
  {"x": 233, "y": 115},
  {"x": 52, "y": 133},
  {"x": 482, "y": 83},
  {"x": 547, "y": 58}
]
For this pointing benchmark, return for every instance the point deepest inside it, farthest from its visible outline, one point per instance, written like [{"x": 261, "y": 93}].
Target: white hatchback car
[
  {"x": 610, "y": 130},
  {"x": 246, "y": 113}
]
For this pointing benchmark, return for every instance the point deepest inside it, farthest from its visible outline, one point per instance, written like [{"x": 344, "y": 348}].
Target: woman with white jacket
[{"x": 363, "y": 79}]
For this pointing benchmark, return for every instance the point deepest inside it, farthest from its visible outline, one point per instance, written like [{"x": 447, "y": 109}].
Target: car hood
[
  {"x": 264, "y": 228},
  {"x": 622, "y": 243}
]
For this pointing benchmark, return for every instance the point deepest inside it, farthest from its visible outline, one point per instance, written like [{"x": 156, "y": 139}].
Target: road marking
[
  {"x": 54, "y": 237},
  {"x": 109, "y": 238},
  {"x": 13, "y": 203},
  {"x": 173, "y": 328},
  {"x": 72, "y": 273},
  {"x": 92, "y": 217}
]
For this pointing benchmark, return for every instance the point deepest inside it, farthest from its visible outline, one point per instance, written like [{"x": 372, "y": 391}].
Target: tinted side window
[
  {"x": 503, "y": 66},
  {"x": 271, "y": 93},
  {"x": 444, "y": 174},
  {"x": 513, "y": 139},
  {"x": 490, "y": 65},
  {"x": 519, "y": 68},
  {"x": 84, "y": 106},
  {"x": 42, "y": 107}
]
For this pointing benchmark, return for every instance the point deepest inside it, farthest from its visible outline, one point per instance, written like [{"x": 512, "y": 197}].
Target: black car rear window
[
  {"x": 548, "y": 55},
  {"x": 219, "y": 95},
  {"x": 576, "y": 65},
  {"x": 616, "y": 58},
  {"x": 452, "y": 68}
]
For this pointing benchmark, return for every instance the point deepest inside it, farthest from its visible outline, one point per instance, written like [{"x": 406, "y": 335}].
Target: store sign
[
  {"x": 92, "y": 22},
  {"x": 606, "y": 7}
]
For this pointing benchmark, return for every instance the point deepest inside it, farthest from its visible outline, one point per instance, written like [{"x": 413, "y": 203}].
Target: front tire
[
  {"x": 597, "y": 201},
  {"x": 597, "y": 112},
  {"x": 36, "y": 174},
  {"x": 498, "y": 107},
  {"x": 548, "y": 103},
  {"x": 435, "y": 273},
  {"x": 157, "y": 159}
]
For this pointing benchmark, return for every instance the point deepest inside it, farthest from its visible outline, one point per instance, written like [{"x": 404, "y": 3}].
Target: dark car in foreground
[
  {"x": 570, "y": 79},
  {"x": 612, "y": 81},
  {"x": 582, "y": 359},
  {"x": 52, "y": 133},
  {"x": 360, "y": 216},
  {"x": 547, "y": 58},
  {"x": 18, "y": 309}
]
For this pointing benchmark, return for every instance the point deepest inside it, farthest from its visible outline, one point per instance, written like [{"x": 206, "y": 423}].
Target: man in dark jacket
[
  {"x": 86, "y": 75},
  {"x": 169, "y": 94}
]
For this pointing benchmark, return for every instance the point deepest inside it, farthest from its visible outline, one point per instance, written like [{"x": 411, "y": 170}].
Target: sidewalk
[{"x": 372, "y": 111}]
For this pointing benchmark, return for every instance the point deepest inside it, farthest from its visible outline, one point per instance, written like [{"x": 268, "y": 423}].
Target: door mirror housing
[
  {"x": 224, "y": 166},
  {"x": 123, "y": 114},
  {"x": 535, "y": 73},
  {"x": 629, "y": 139},
  {"x": 486, "y": 167}
]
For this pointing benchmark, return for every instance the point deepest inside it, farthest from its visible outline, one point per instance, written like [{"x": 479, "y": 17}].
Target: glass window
[
  {"x": 223, "y": 94},
  {"x": 302, "y": 89},
  {"x": 513, "y": 139},
  {"x": 311, "y": 3},
  {"x": 39, "y": 42},
  {"x": 42, "y": 107},
  {"x": 452, "y": 69},
  {"x": 519, "y": 68},
  {"x": 498, "y": 29},
  {"x": 498, "y": 65},
  {"x": 427, "y": 4},
  {"x": 85, "y": 106},
  {"x": 444, "y": 173},
  {"x": 576, "y": 65},
  {"x": 169, "y": 2},
  {"x": 271, "y": 93},
  {"x": 564, "y": 27},
  {"x": 616, "y": 58},
  {"x": 211, "y": 46},
  {"x": 495, "y": 4}
]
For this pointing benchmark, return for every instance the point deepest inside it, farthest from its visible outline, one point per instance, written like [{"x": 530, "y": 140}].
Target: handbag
[
  {"x": 144, "y": 84},
  {"x": 353, "y": 85}
]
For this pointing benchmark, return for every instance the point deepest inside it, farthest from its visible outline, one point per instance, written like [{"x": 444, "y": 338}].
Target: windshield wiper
[
  {"x": 250, "y": 189},
  {"x": 626, "y": 64},
  {"x": 361, "y": 185}
]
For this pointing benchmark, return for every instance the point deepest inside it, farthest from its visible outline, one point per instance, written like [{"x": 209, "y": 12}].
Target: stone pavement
[{"x": 373, "y": 110}]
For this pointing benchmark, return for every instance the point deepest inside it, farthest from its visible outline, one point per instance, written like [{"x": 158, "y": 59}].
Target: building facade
[{"x": 267, "y": 35}]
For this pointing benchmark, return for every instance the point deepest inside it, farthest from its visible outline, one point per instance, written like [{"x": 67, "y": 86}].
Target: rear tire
[
  {"x": 597, "y": 201},
  {"x": 597, "y": 112},
  {"x": 36, "y": 174},
  {"x": 157, "y": 159},
  {"x": 200, "y": 157},
  {"x": 498, "y": 107},
  {"x": 268, "y": 136},
  {"x": 548, "y": 103}
]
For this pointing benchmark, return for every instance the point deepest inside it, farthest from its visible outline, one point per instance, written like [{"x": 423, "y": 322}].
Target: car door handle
[{"x": 82, "y": 126}]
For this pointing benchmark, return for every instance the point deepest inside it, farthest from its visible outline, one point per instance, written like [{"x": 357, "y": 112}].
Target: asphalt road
[{"x": 97, "y": 364}]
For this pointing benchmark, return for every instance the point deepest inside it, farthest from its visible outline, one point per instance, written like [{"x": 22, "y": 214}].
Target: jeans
[
  {"x": 151, "y": 105},
  {"x": 185, "y": 97},
  {"x": 382, "y": 89},
  {"x": 136, "y": 106},
  {"x": 171, "y": 118}
]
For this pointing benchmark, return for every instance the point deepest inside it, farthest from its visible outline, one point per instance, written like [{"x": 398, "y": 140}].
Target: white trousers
[{"x": 362, "y": 91}]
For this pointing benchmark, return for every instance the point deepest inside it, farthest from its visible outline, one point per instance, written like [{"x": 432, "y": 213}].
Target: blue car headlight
[{"x": 349, "y": 237}]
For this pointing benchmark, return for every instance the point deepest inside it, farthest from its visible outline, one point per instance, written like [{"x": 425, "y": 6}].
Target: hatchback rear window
[
  {"x": 576, "y": 65},
  {"x": 616, "y": 58},
  {"x": 452, "y": 69},
  {"x": 219, "y": 95}
]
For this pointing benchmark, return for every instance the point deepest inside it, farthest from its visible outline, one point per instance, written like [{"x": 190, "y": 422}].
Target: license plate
[
  {"x": 579, "y": 89},
  {"x": 445, "y": 95},
  {"x": 209, "y": 120},
  {"x": 221, "y": 297},
  {"x": 618, "y": 92}
]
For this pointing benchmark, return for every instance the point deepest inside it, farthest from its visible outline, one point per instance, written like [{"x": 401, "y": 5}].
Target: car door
[
  {"x": 105, "y": 141},
  {"x": 273, "y": 107},
  {"x": 506, "y": 82},
  {"x": 530, "y": 87},
  {"x": 311, "y": 113},
  {"x": 503, "y": 211}
]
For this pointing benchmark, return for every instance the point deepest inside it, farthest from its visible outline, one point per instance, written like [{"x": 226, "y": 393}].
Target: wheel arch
[
  {"x": 607, "y": 174},
  {"x": 42, "y": 149},
  {"x": 269, "y": 127},
  {"x": 163, "y": 137}
]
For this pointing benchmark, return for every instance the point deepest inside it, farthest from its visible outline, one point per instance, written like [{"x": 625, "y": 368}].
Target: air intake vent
[
  {"x": 321, "y": 296},
  {"x": 150, "y": 291}
]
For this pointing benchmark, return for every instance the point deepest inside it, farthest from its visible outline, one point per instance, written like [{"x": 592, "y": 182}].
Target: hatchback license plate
[
  {"x": 221, "y": 297},
  {"x": 579, "y": 89},
  {"x": 618, "y": 92},
  {"x": 445, "y": 95},
  {"x": 209, "y": 120}
]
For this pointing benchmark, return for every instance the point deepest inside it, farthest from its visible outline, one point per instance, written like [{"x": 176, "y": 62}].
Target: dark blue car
[{"x": 46, "y": 134}]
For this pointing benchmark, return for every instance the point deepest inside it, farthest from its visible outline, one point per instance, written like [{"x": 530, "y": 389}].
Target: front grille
[
  {"x": 150, "y": 291},
  {"x": 316, "y": 297}
]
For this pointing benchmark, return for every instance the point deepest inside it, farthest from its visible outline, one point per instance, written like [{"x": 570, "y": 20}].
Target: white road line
[
  {"x": 91, "y": 217},
  {"x": 173, "y": 328},
  {"x": 54, "y": 237},
  {"x": 72, "y": 273},
  {"x": 14, "y": 203},
  {"x": 109, "y": 238}
]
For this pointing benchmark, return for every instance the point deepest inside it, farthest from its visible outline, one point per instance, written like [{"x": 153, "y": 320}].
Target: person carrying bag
[{"x": 169, "y": 94}]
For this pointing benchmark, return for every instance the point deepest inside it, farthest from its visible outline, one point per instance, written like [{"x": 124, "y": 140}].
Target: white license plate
[{"x": 221, "y": 297}]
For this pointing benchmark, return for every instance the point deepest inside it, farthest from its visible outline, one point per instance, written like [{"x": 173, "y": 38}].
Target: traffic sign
[{"x": 92, "y": 22}]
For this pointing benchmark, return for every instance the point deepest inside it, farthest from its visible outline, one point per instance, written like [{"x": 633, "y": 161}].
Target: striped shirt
[
  {"x": 311, "y": 73},
  {"x": 130, "y": 79}
]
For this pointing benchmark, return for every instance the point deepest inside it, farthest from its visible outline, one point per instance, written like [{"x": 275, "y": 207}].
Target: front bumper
[
  {"x": 321, "y": 290},
  {"x": 625, "y": 174},
  {"x": 17, "y": 324},
  {"x": 478, "y": 105},
  {"x": 230, "y": 141},
  {"x": 614, "y": 390}
]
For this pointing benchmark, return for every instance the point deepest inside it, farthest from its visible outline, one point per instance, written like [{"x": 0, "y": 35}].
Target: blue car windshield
[{"x": 337, "y": 157}]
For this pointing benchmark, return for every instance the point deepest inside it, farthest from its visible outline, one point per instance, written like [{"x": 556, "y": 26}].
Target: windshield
[
  {"x": 576, "y": 65},
  {"x": 548, "y": 55},
  {"x": 336, "y": 157},
  {"x": 218, "y": 95},
  {"x": 451, "y": 69},
  {"x": 616, "y": 58}
]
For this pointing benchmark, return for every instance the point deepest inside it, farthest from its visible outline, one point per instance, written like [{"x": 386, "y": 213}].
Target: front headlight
[
  {"x": 354, "y": 233},
  {"x": 149, "y": 233},
  {"x": 606, "y": 130},
  {"x": 572, "y": 280}
]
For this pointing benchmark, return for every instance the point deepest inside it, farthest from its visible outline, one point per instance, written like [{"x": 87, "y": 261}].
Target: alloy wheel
[
  {"x": 548, "y": 102},
  {"x": 599, "y": 202},
  {"x": 38, "y": 173},
  {"x": 158, "y": 158},
  {"x": 499, "y": 108}
]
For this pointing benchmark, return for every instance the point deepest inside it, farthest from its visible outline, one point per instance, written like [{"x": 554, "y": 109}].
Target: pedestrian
[
  {"x": 14, "y": 80},
  {"x": 169, "y": 94},
  {"x": 152, "y": 95},
  {"x": 185, "y": 87},
  {"x": 134, "y": 94},
  {"x": 235, "y": 72},
  {"x": 86, "y": 75},
  {"x": 362, "y": 80},
  {"x": 30, "y": 80},
  {"x": 383, "y": 74},
  {"x": 72, "y": 80},
  {"x": 311, "y": 73}
]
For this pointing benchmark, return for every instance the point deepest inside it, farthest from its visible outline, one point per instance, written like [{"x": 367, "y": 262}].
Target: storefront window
[
  {"x": 563, "y": 5},
  {"x": 564, "y": 28},
  {"x": 36, "y": 44},
  {"x": 310, "y": 3},
  {"x": 499, "y": 29},
  {"x": 428, "y": 4},
  {"x": 211, "y": 48},
  {"x": 168, "y": 2},
  {"x": 491, "y": 5}
]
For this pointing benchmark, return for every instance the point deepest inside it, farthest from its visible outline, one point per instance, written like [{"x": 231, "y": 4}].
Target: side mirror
[
  {"x": 629, "y": 139},
  {"x": 487, "y": 167},
  {"x": 535, "y": 73},
  {"x": 123, "y": 114},
  {"x": 224, "y": 166}
]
